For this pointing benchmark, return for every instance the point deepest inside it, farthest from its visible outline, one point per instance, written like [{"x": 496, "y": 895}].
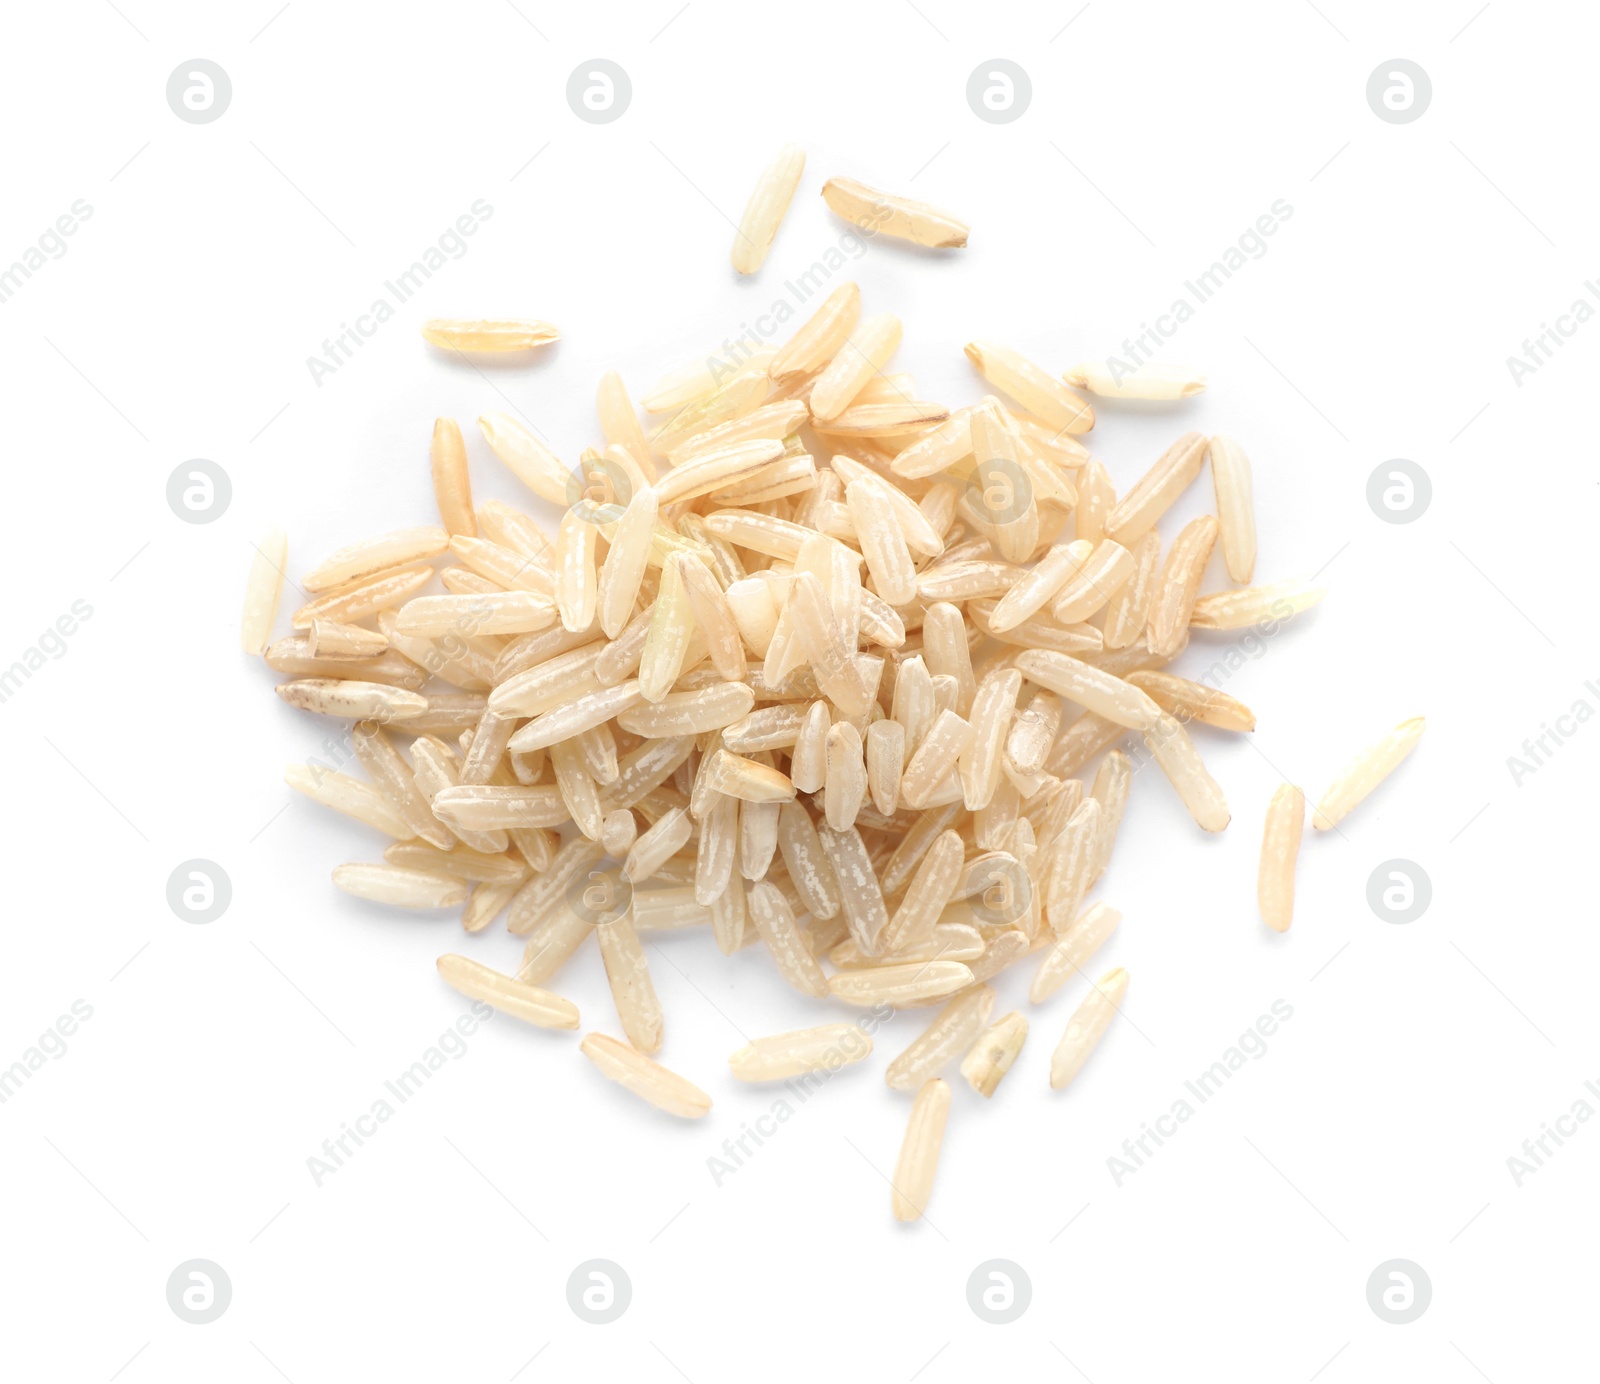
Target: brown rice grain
[
  {"x": 507, "y": 994},
  {"x": 1366, "y": 772},
  {"x": 918, "y": 1163},
  {"x": 488, "y": 334},
  {"x": 648, "y": 1080},
  {"x": 1086, "y": 1027},
  {"x": 400, "y": 888},
  {"x": 763, "y": 213}
]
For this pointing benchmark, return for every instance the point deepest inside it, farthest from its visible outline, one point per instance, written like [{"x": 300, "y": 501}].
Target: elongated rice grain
[
  {"x": 632, "y": 992},
  {"x": 1154, "y": 493},
  {"x": 863, "y": 354},
  {"x": 1172, "y": 749},
  {"x": 993, "y": 1054},
  {"x": 261, "y": 592},
  {"x": 1230, "y": 474},
  {"x": 782, "y": 1055},
  {"x": 400, "y": 887},
  {"x": 1254, "y": 605},
  {"x": 1040, "y": 393},
  {"x": 900, "y": 985},
  {"x": 1366, "y": 772},
  {"x": 648, "y": 1080},
  {"x": 481, "y": 334},
  {"x": 1086, "y": 1027},
  {"x": 918, "y": 1163},
  {"x": 884, "y": 213},
  {"x": 1129, "y": 606},
  {"x": 1072, "y": 949},
  {"x": 507, "y": 994},
  {"x": 774, "y": 921},
  {"x": 1280, "y": 847},
  {"x": 1176, "y": 588},
  {"x": 351, "y": 796},
  {"x": 764, "y": 211},
  {"x": 1149, "y": 381},
  {"x": 451, "y": 488}
]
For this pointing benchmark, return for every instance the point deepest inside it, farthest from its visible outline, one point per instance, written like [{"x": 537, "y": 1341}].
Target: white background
[{"x": 1378, "y": 1124}]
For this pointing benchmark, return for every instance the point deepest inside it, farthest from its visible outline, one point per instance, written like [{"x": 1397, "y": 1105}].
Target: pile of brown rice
[{"x": 814, "y": 664}]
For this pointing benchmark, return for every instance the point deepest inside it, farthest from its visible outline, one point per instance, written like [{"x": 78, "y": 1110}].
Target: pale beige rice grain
[
  {"x": 1154, "y": 493},
  {"x": 885, "y": 213},
  {"x": 631, "y": 989},
  {"x": 488, "y": 334},
  {"x": 1039, "y": 392},
  {"x": 1172, "y": 749},
  {"x": 1179, "y": 583},
  {"x": 826, "y": 1048},
  {"x": 648, "y": 1080},
  {"x": 1366, "y": 772},
  {"x": 1280, "y": 847},
  {"x": 764, "y": 211},
  {"x": 373, "y": 701},
  {"x": 507, "y": 994},
  {"x": 993, "y": 1054},
  {"x": 918, "y": 1163},
  {"x": 399, "y": 887},
  {"x": 261, "y": 592},
  {"x": 1149, "y": 381},
  {"x": 1086, "y": 1027},
  {"x": 1129, "y": 606},
  {"x": 1255, "y": 605},
  {"x": 1073, "y": 949}
]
